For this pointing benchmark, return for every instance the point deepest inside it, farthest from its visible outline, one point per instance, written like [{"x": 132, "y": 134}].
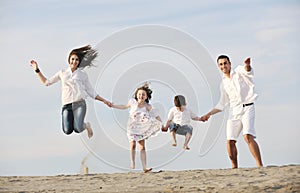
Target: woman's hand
[{"x": 34, "y": 64}]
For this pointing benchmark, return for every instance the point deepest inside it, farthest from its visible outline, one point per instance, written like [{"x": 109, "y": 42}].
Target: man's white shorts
[{"x": 242, "y": 122}]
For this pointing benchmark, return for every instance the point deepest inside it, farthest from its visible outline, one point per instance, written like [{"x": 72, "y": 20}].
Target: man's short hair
[{"x": 223, "y": 57}]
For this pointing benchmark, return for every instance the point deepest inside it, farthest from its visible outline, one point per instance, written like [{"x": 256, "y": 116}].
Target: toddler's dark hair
[{"x": 179, "y": 101}]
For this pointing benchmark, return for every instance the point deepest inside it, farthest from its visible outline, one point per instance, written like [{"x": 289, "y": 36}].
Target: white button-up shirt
[
  {"x": 237, "y": 90},
  {"x": 181, "y": 117},
  {"x": 75, "y": 86}
]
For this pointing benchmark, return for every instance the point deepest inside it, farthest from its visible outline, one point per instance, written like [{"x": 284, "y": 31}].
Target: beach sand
[{"x": 266, "y": 179}]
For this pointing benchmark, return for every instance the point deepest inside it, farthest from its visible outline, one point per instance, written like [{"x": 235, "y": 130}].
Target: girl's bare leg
[
  {"x": 132, "y": 154},
  {"x": 143, "y": 156}
]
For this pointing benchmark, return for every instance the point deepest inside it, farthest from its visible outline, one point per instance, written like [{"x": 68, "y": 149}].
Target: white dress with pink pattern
[{"x": 142, "y": 123}]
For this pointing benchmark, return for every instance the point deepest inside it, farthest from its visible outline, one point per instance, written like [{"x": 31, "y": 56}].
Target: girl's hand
[{"x": 34, "y": 64}]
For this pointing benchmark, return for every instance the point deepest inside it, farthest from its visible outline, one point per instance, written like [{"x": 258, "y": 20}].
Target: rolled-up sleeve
[
  {"x": 241, "y": 70},
  {"x": 224, "y": 99},
  {"x": 89, "y": 88},
  {"x": 55, "y": 78}
]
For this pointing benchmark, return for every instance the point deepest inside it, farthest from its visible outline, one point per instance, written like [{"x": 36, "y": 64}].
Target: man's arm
[{"x": 210, "y": 113}]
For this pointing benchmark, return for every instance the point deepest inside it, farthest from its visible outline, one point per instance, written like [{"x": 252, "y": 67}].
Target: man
[{"x": 237, "y": 89}]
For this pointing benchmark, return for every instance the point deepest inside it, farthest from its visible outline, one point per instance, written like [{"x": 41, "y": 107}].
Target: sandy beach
[{"x": 267, "y": 179}]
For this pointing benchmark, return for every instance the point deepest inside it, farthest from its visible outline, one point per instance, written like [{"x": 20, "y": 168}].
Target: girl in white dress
[{"x": 143, "y": 122}]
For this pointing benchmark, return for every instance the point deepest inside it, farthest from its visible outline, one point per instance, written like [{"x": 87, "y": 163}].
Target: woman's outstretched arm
[
  {"x": 35, "y": 67},
  {"x": 99, "y": 98}
]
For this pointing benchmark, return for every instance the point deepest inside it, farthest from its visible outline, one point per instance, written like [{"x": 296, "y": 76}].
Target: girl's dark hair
[
  {"x": 146, "y": 88},
  {"x": 179, "y": 101},
  {"x": 85, "y": 54}
]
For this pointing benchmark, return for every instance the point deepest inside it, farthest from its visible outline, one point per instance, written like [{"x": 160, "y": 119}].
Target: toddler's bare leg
[
  {"x": 187, "y": 140},
  {"x": 173, "y": 136}
]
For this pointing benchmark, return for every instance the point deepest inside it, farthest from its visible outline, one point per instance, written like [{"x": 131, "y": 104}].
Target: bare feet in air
[{"x": 89, "y": 130}]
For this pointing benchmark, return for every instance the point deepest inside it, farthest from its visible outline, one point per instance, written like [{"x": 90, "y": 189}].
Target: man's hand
[
  {"x": 247, "y": 64},
  {"x": 205, "y": 117}
]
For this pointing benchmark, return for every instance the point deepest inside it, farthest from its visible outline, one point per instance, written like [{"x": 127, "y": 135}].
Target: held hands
[
  {"x": 164, "y": 129},
  {"x": 108, "y": 103},
  {"x": 205, "y": 117}
]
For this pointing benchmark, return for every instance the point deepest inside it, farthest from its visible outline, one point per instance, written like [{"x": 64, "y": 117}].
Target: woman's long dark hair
[{"x": 86, "y": 56}]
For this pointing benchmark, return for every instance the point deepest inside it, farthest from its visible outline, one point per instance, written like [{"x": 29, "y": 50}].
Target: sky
[{"x": 189, "y": 36}]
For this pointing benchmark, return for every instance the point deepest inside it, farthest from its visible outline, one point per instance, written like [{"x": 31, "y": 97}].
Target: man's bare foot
[
  {"x": 147, "y": 170},
  {"x": 89, "y": 130},
  {"x": 186, "y": 148},
  {"x": 234, "y": 164}
]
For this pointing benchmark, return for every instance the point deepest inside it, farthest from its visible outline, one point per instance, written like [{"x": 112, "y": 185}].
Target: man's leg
[
  {"x": 254, "y": 149},
  {"x": 232, "y": 152}
]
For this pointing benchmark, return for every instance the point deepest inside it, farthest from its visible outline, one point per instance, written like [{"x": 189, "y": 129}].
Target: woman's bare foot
[
  {"x": 174, "y": 144},
  {"x": 147, "y": 170},
  {"x": 186, "y": 148},
  {"x": 89, "y": 130}
]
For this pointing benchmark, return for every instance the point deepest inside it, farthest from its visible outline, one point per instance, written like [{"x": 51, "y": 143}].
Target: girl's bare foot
[
  {"x": 89, "y": 130},
  {"x": 132, "y": 165},
  {"x": 147, "y": 170}
]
